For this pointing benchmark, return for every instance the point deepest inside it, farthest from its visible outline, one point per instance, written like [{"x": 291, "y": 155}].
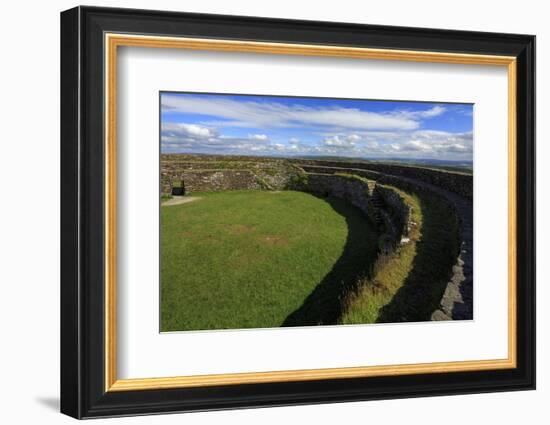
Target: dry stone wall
[
  {"x": 459, "y": 183},
  {"x": 206, "y": 173},
  {"x": 457, "y": 301},
  {"x": 362, "y": 193},
  {"x": 404, "y": 183},
  {"x": 354, "y": 191},
  {"x": 209, "y": 180},
  {"x": 399, "y": 209},
  {"x": 321, "y": 169}
]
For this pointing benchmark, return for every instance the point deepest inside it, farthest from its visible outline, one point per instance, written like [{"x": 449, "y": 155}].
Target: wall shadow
[
  {"x": 324, "y": 306},
  {"x": 436, "y": 253}
]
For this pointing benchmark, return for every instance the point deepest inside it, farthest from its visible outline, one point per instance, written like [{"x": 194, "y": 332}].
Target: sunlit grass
[
  {"x": 408, "y": 284},
  {"x": 258, "y": 259},
  {"x": 249, "y": 259}
]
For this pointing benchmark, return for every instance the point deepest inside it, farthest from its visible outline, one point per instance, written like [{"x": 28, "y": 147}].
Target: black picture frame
[{"x": 83, "y": 392}]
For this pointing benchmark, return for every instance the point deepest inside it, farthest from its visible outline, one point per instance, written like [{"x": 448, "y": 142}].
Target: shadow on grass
[
  {"x": 436, "y": 253},
  {"x": 324, "y": 306}
]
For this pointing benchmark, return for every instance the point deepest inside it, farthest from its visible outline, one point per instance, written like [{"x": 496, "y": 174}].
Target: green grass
[
  {"x": 408, "y": 284},
  {"x": 256, "y": 259}
]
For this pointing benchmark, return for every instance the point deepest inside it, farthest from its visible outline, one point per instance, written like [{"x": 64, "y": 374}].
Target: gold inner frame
[{"x": 113, "y": 41}]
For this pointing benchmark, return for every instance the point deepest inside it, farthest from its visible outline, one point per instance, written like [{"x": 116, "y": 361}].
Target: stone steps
[
  {"x": 371, "y": 185},
  {"x": 377, "y": 203}
]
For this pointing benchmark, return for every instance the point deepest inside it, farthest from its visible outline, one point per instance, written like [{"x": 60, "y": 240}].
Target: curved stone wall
[
  {"x": 397, "y": 206},
  {"x": 354, "y": 191},
  {"x": 457, "y": 301},
  {"x": 381, "y": 204},
  {"x": 460, "y": 183}
]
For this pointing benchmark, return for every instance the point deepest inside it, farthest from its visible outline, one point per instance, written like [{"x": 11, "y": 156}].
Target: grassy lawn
[
  {"x": 408, "y": 284},
  {"x": 256, "y": 259}
]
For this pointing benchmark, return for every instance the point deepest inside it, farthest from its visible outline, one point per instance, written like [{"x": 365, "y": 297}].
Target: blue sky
[{"x": 293, "y": 126}]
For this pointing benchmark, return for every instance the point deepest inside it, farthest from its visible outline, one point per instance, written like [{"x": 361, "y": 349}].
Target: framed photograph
[{"x": 261, "y": 212}]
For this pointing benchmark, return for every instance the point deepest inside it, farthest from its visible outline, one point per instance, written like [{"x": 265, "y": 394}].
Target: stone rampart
[
  {"x": 397, "y": 206},
  {"x": 209, "y": 180},
  {"x": 460, "y": 183},
  {"x": 393, "y": 210},
  {"x": 206, "y": 173},
  {"x": 354, "y": 191}
]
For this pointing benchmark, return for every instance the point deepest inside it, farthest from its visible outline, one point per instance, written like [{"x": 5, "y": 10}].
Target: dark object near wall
[{"x": 178, "y": 191}]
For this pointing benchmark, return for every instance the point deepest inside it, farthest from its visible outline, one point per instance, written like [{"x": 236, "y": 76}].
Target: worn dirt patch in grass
[
  {"x": 178, "y": 200},
  {"x": 274, "y": 240},
  {"x": 239, "y": 229}
]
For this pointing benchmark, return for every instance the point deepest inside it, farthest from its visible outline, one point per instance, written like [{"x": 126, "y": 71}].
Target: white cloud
[
  {"x": 418, "y": 143},
  {"x": 251, "y": 114},
  {"x": 414, "y": 144},
  {"x": 429, "y": 113},
  {"x": 182, "y": 131},
  {"x": 344, "y": 141},
  {"x": 330, "y": 131},
  {"x": 393, "y": 146},
  {"x": 261, "y": 137}
]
